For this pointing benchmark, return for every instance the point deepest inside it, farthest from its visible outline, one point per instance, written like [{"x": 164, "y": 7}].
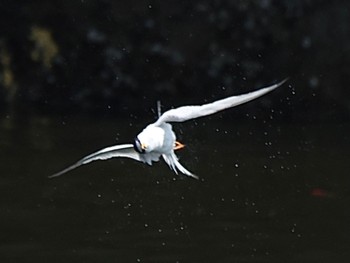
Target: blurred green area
[{"x": 119, "y": 57}]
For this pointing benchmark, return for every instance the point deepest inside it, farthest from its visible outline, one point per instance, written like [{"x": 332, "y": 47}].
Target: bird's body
[{"x": 159, "y": 140}]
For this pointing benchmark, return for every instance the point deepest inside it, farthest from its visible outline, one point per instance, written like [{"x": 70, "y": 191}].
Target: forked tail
[{"x": 173, "y": 162}]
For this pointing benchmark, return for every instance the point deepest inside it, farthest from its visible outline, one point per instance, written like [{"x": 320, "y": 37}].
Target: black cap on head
[{"x": 138, "y": 146}]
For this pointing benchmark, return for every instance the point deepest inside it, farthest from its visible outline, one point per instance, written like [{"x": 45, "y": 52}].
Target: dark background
[
  {"x": 119, "y": 57},
  {"x": 76, "y": 76}
]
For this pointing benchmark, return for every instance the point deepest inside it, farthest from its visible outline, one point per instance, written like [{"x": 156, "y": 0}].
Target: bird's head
[{"x": 139, "y": 146}]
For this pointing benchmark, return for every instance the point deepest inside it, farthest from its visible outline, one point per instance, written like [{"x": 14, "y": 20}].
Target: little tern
[{"x": 159, "y": 140}]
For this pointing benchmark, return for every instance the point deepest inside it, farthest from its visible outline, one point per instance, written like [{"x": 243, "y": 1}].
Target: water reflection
[{"x": 255, "y": 201}]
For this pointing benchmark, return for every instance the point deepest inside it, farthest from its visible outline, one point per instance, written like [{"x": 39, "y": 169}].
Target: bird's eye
[{"x": 138, "y": 146}]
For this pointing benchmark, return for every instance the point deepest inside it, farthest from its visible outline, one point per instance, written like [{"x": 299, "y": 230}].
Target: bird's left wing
[
  {"x": 191, "y": 112},
  {"x": 124, "y": 150}
]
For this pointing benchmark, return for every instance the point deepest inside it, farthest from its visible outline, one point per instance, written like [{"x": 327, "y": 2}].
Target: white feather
[
  {"x": 185, "y": 113},
  {"x": 124, "y": 150}
]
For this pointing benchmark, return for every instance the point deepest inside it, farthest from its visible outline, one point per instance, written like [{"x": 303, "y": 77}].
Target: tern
[{"x": 159, "y": 140}]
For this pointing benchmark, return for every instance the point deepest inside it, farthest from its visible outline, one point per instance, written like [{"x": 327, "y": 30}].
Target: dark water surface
[{"x": 268, "y": 192}]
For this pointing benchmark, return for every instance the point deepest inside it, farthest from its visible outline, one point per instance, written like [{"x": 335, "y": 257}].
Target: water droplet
[
  {"x": 313, "y": 81},
  {"x": 306, "y": 42}
]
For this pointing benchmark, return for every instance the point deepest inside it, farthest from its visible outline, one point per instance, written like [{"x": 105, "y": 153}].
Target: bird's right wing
[
  {"x": 185, "y": 113},
  {"x": 124, "y": 150}
]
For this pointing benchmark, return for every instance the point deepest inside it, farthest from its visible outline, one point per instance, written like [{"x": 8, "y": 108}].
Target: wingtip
[
  {"x": 54, "y": 175},
  {"x": 275, "y": 86},
  {"x": 194, "y": 176},
  {"x": 69, "y": 168},
  {"x": 282, "y": 82}
]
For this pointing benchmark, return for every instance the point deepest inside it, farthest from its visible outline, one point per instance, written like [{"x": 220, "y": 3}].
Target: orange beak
[
  {"x": 178, "y": 145},
  {"x": 143, "y": 146}
]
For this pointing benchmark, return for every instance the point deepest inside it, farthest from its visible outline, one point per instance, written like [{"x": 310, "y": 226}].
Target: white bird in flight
[{"x": 159, "y": 140}]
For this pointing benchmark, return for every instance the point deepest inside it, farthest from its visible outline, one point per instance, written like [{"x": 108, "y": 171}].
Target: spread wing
[
  {"x": 124, "y": 150},
  {"x": 191, "y": 112}
]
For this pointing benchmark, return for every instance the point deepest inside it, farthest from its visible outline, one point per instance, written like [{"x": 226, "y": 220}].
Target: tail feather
[{"x": 174, "y": 164}]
